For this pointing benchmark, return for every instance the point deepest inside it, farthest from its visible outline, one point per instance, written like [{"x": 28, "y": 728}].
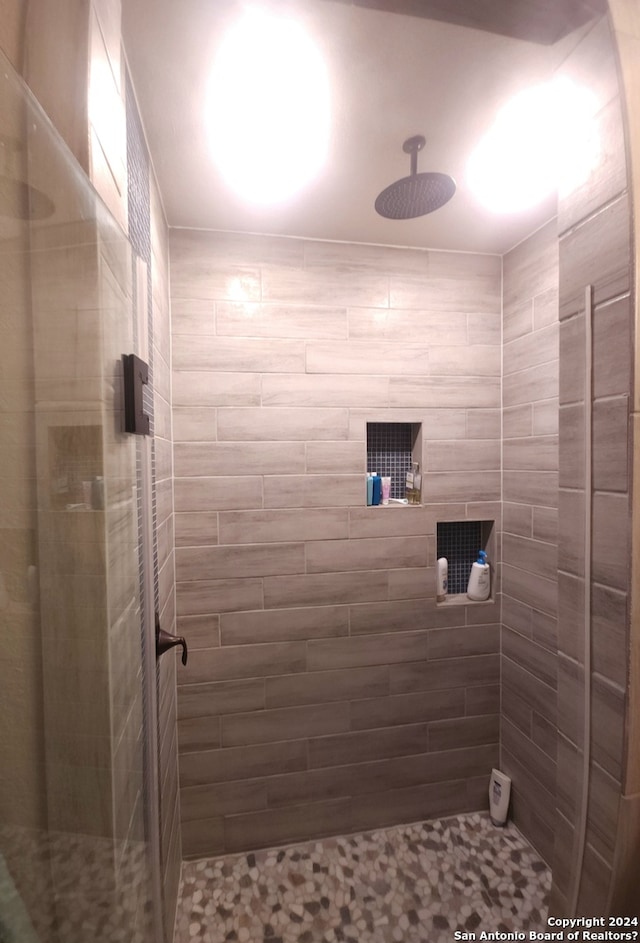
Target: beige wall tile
[
  {"x": 222, "y": 697},
  {"x": 281, "y": 625},
  {"x": 471, "y": 455},
  {"x": 305, "y": 389},
  {"x": 231, "y": 354},
  {"x": 484, "y": 423},
  {"x": 531, "y": 487},
  {"x": 238, "y": 561},
  {"x": 518, "y": 519},
  {"x": 241, "y": 661},
  {"x": 368, "y": 357},
  {"x": 202, "y": 495},
  {"x": 236, "y": 763},
  {"x": 287, "y": 723},
  {"x": 196, "y": 802},
  {"x": 320, "y": 589},
  {"x": 534, "y": 349},
  {"x": 443, "y": 392},
  {"x": 336, "y": 458},
  {"x": 196, "y": 528},
  {"x": 609, "y": 444},
  {"x": 363, "y": 745},
  {"x": 308, "y": 491},
  {"x": 194, "y": 424},
  {"x": 464, "y": 732},
  {"x": 612, "y": 348},
  {"x": 229, "y": 459},
  {"x": 366, "y": 650},
  {"x": 610, "y": 540},
  {"x": 381, "y": 553},
  {"x": 596, "y": 253},
  {"x": 431, "y": 328},
  {"x": 326, "y": 287},
  {"x": 468, "y": 640},
  {"x": 539, "y": 453},
  {"x": 531, "y": 385},
  {"x": 207, "y": 388},
  {"x": 243, "y": 527},
  {"x": 391, "y": 521},
  {"x": 534, "y": 658},
  {"x": 517, "y": 421},
  {"x": 198, "y": 597},
  {"x": 200, "y": 631},
  {"x": 282, "y": 424},
  {"x": 402, "y": 615},
  {"x": 415, "y": 803},
  {"x": 249, "y": 319},
  {"x": 441, "y": 487},
  {"x": 413, "y": 582},
  {"x": 260, "y": 829},
  {"x": 198, "y": 733},
  {"x": 407, "y": 709},
  {"x": 322, "y": 686},
  {"x": 193, "y": 316}
]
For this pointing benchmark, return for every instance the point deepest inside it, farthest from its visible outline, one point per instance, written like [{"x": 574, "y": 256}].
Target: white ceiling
[{"x": 392, "y": 76}]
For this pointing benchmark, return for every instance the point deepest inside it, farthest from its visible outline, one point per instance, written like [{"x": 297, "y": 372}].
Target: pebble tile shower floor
[{"x": 405, "y": 884}]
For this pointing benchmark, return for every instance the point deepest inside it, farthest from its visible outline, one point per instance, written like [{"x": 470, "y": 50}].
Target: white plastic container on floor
[
  {"x": 479, "y": 585},
  {"x": 499, "y": 793}
]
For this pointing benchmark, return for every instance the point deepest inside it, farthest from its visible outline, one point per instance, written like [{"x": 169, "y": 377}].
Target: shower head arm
[{"x": 412, "y": 146}]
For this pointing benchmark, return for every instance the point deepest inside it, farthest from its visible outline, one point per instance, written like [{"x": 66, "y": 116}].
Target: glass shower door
[{"x": 78, "y": 855}]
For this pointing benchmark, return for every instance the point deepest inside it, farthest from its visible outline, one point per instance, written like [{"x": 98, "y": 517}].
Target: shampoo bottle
[
  {"x": 369, "y": 488},
  {"x": 479, "y": 585},
  {"x": 377, "y": 488}
]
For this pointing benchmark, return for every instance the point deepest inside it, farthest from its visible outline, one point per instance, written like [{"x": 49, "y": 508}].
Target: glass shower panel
[{"x": 75, "y": 854}]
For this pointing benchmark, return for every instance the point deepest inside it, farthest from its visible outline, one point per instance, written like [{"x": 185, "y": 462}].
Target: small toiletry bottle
[
  {"x": 386, "y": 489},
  {"x": 442, "y": 574},
  {"x": 479, "y": 585},
  {"x": 409, "y": 484},
  {"x": 369, "y": 488},
  {"x": 417, "y": 485},
  {"x": 377, "y": 488}
]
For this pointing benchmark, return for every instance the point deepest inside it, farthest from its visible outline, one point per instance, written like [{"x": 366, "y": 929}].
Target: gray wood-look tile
[
  {"x": 236, "y": 561},
  {"x": 320, "y": 687},
  {"x": 235, "y": 763},
  {"x": 366, "y": 650},
  {"x": 444, "y": 673},
  {"x": 609, "y": 443},
  {"x": 196, "y": 802},
  {"x": 609, "y": 612},
  {"x": 535, "y": 659},
  {"x": 233, "y": 662},
  {"x": 282, "y": 525},
  {"x": 275, "y": 826},
  {"x": 468, "y": 640},
  {"x": 402, "y": 616},
  {"x": 596, "y": 253},
  {"x": 462, "y": 732},
  {"x": 207, "y": 494},
  {"x": 408, "y": 709},
  {"x": 362, "y": 745},
  {"x": 286, "y": 723},
  {"x": 323, "y": 589},
  {"x": 611, "y": 537},
  {"x": 220, "y": 697},
  {"x": 283, "y": 625},
  {"x": 230, "y": 459},
  {"x": 612, "y": 348},
  {"x": 200, "y": 597},
  {"x": 286, "y": 489},
  {"x": 207, "y": 388},
  {"x": 538, "y": 453},
  {"x": 374, "y": 553},
  {"x": 443, "y": 392},
  {"x": 415, "y": 803}
]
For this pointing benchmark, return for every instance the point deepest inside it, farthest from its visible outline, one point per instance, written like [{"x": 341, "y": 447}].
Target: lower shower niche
[{"x": 459, "y": 542}]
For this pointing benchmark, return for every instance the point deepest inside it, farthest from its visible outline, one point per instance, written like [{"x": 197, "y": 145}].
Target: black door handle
[{"x": 165, "y": 641}]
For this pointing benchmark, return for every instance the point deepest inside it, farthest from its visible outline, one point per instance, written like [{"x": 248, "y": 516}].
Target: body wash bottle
[{"x": 479, "y": 585}]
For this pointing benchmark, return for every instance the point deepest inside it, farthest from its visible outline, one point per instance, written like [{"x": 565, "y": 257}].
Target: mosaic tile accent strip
[
  {"x": 406, "y": 884},
  {"x": 389, "y": 453},
  {"x": 459, "y": 542}
]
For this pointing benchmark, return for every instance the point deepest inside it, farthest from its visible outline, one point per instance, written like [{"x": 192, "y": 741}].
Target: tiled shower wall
[
  {"x": 325, "y": 691},
  {"x": 594, "y": 227},
  {"x": 529, "y": 541}
]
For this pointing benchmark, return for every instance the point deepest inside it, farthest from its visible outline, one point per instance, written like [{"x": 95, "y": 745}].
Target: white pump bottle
[{"x": 479, "y": 585}]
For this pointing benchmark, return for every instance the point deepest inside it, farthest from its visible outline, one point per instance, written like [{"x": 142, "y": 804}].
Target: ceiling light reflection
[
  {"x": 268, "y": 108},
  {"x": 544, "y": 140}
]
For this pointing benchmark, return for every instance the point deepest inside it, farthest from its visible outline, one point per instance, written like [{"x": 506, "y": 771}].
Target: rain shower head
[{"x": 417, "y": 194}]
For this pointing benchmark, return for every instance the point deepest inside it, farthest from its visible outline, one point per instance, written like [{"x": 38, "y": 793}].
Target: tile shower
[{"x": 327, "y": 692}]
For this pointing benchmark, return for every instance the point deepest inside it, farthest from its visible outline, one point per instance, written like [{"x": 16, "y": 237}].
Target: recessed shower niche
[
  {"x": 392, "y": 447},
  {"x": 459, "y": 542}
]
